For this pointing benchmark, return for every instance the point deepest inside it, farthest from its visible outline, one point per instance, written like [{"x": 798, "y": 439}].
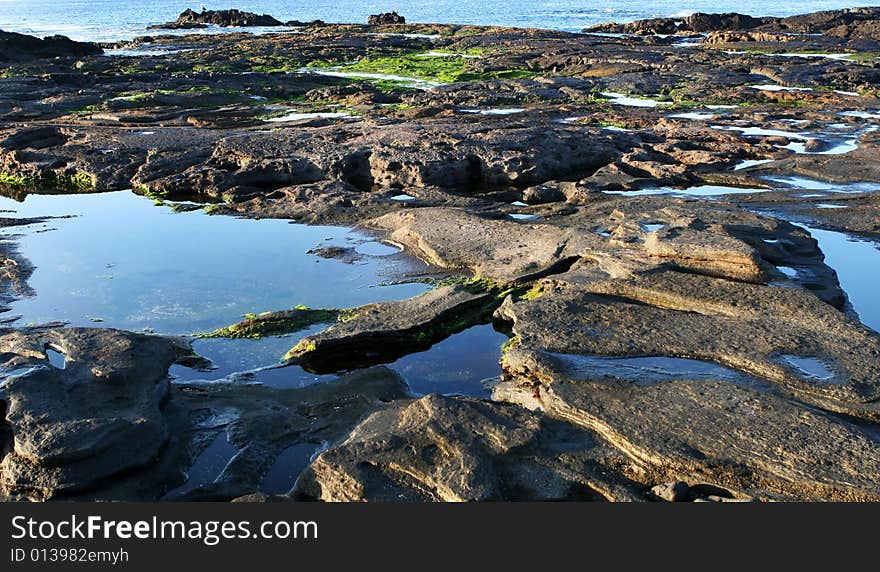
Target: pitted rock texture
[
  {"x": 98, "y": 416},
  {"x": 547, "y": 173},
  {"x": 730, "y": 435},
  {"x": 455, "y": 450}
]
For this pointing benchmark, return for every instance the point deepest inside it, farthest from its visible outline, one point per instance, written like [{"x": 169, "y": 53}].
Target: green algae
[
  {"x": 510, "y": 344},
  {"x": 388, "y": 346},
  {"x": 256, "y": 326},
  {"x": 50, "y": 181},
  {"x": 450, "y": 69}
]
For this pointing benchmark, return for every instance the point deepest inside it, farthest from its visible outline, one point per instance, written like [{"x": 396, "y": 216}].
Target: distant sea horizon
[{"x": 116, "y": 20}]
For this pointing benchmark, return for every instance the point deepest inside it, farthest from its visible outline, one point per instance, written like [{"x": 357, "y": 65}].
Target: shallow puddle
[
  {"x": 125, "y": 263},
  {"x": 694, "y": 116},
  {"x": 652, "y": 227},
  {"x": 56, "y": 358},
  {"x": 207, "y": 466},
  {"x": 773, "y": 87},
  {"x": 751, "y": 163},
  {"x": 413, "y": 82},
  {"x": 857, "y": 263},
  {"x": 833, "y": 143},
  {"x": 296, "y": 116},
  {"x": 809, "y": 368},
  {"x": 436, "y": 54},
  {"x": 496, "y": 111},
  {"x": 145, "y": 51},
  {"x": 630, "y": 101},
  {"x": 827, "y": 55},
  {"x": 648, "y": 371},
  {"x": 466, "y": 363},
  {"x": 861, "y": 114},
  {"x": 706, "y": 191},
  {"x": 402, "y": 35},
  {"x": 292, "y": 461},
  {"x": 807, "y": 184},
  {"x": 762, "y": 132}
]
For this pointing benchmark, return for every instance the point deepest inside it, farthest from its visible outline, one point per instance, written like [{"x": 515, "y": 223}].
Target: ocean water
[{"x": 108, "y": 20}]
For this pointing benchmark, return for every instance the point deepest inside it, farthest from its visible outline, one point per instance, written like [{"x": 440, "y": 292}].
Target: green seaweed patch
[
  {"x": 450, "y": 69},
  {"x": 863, "y": 57},
  {"x": 89, "y": 110},
  {"x": 256, "y": 326},
  {"x": 532, "y": 293},
  {"x": 390, "y": 85},
  {"x": 302, "y": 348},
  {"x": 47, "y": 182},
  {"x": 510, "y": 344},
  {"x": 157, "y": 196},
  {"x": 274, "y": 64},
  {"x": 213, "y": 68},
  {"x": 482, "y": 285}
]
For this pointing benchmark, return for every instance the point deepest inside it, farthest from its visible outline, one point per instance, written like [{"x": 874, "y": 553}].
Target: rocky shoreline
[{"x": 627, "y": 204}]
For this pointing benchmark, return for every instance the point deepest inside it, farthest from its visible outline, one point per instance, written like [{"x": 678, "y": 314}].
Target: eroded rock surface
[
  {"x": 698, "y": 430},
  {"x": 100, "y": 419},
  {"x": 453, "y": 449},
  {"x": 595, "y": 196},
  {"x": 95, "y": 415}
]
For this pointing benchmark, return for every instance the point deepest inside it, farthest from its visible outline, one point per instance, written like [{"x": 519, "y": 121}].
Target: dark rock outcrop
[
  {"x": 386, "y": 18},
  {"x": 701, "y": 22},
  {"x": 15, "y": 47},
  {"x": 224, "y": 18},
  {"x": 855, "y": 23}
]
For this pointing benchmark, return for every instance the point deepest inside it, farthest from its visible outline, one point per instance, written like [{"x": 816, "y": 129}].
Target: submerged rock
[
  {"x": 383, "y": 332},
  {"x": 260, "y": 423},
  {"x": 91, "y": 414}
]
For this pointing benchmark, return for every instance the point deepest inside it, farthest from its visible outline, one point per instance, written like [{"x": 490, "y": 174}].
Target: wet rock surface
[
  {"x": 105, "y": 422},
  {"x": 382, "y": 332},
  {"x": 627, "y": 207},
  {"x": 94, "y": 415}
]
